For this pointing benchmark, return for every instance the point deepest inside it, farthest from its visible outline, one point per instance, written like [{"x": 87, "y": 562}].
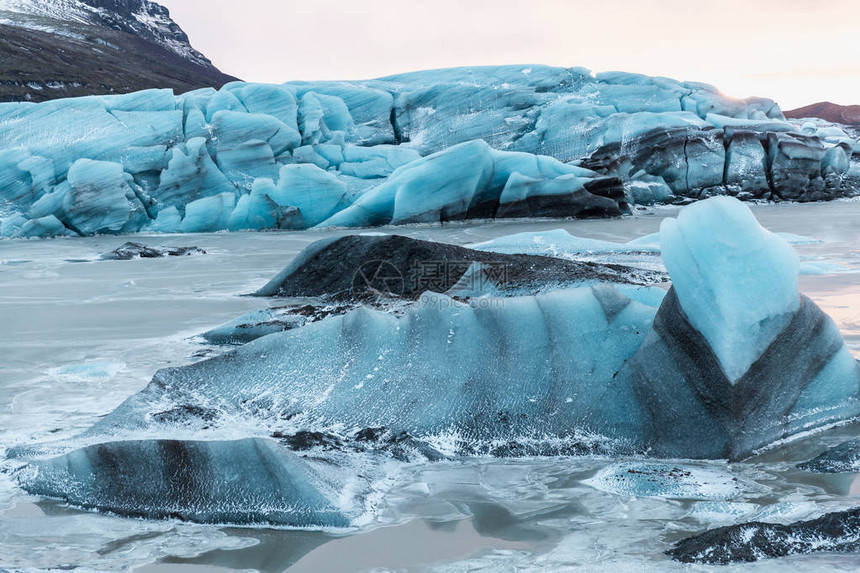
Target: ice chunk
[
  {"x": 209, "y": 214},
  {"x": 89, "y": 371},
  {"x": 742, "y": 360},
  {"x": 317, "y": 194},
  {"x": 401, "y": 267},
  {"x": 558, "y": 243},
  {"x": 720, "y": 259},
  {"x": 359, "y": 370},
  {"x": 99, "y": 198},
  {"x": 131, "y": 250},
  {"x": 250, "y": 481},
  {"x": 469, "y": 180},
  {"x": 844, "y": 458},
  {"x": 674, "y": 481},
  {"x": 747, "y": 542}
]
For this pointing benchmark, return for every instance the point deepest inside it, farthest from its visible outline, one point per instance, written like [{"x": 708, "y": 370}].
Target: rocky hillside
[
  {"x": 64, "y": 48},
  {"x": 845, "y": 114}
]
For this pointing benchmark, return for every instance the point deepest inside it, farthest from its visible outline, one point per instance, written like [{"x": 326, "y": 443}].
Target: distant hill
[
  {"x": 847, "y": 114},
  {"x": 62, "y": 48}
]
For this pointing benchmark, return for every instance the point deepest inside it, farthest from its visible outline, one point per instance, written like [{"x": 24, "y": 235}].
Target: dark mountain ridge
[
  {"x": 66, "y": 48},
  {"x": 832, "y": 112}
]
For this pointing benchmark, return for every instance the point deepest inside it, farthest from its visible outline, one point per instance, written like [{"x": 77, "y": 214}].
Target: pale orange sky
[{"x": 794, "y": 51}]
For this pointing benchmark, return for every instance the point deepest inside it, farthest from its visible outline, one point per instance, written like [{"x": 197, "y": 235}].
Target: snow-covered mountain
[
  {"x": 55, "y": 48},
  {"x": 143, "y": 18}
]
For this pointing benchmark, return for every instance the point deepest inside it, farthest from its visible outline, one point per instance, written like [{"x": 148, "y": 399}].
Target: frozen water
[
  {"x": 526, "y": 515},
  {"x": 587, "y": 367},
  {"x": 714, "y": 371}
]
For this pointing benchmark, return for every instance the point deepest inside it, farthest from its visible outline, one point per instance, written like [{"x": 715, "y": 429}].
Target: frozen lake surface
[{"x": 79, "y": 335}]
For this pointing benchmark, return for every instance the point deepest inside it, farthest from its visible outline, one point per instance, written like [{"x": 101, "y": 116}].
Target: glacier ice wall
[{"x": 506, "y": 141}]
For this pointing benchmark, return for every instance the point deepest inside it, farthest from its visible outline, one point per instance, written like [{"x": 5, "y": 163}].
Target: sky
[{"x": 794, "y": 51}]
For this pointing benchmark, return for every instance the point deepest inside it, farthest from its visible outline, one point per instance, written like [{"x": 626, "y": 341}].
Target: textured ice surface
[
  {"x": 582, "y": 369},
  {"x": 502, "y": 141},
  {"x": 844, "y": 458},
  {"x": 560, "y": 243},
  {"x": 248, "y": 481},
  {"x": 472, "y": 179},
  {"x": 675, "y": 481},
  {"x": 479, "y": 376}
]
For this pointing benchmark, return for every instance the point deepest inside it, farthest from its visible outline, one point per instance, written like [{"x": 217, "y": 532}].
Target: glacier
[
  {"x": 433, "y": 146},
  {"x": 593, "y": 368}
]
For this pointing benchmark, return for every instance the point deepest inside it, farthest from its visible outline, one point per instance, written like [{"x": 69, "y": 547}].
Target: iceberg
[
  {"x": 244, "y": 482},
  {"x": 131, "y": 250},
  {"x": 711, "y": 346},
  {"x": 445, "y": 366},
  {"x": 715, "y": 273},
  {"x": 505, "y": 141},
  {"x": 365, "y": 267}
]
